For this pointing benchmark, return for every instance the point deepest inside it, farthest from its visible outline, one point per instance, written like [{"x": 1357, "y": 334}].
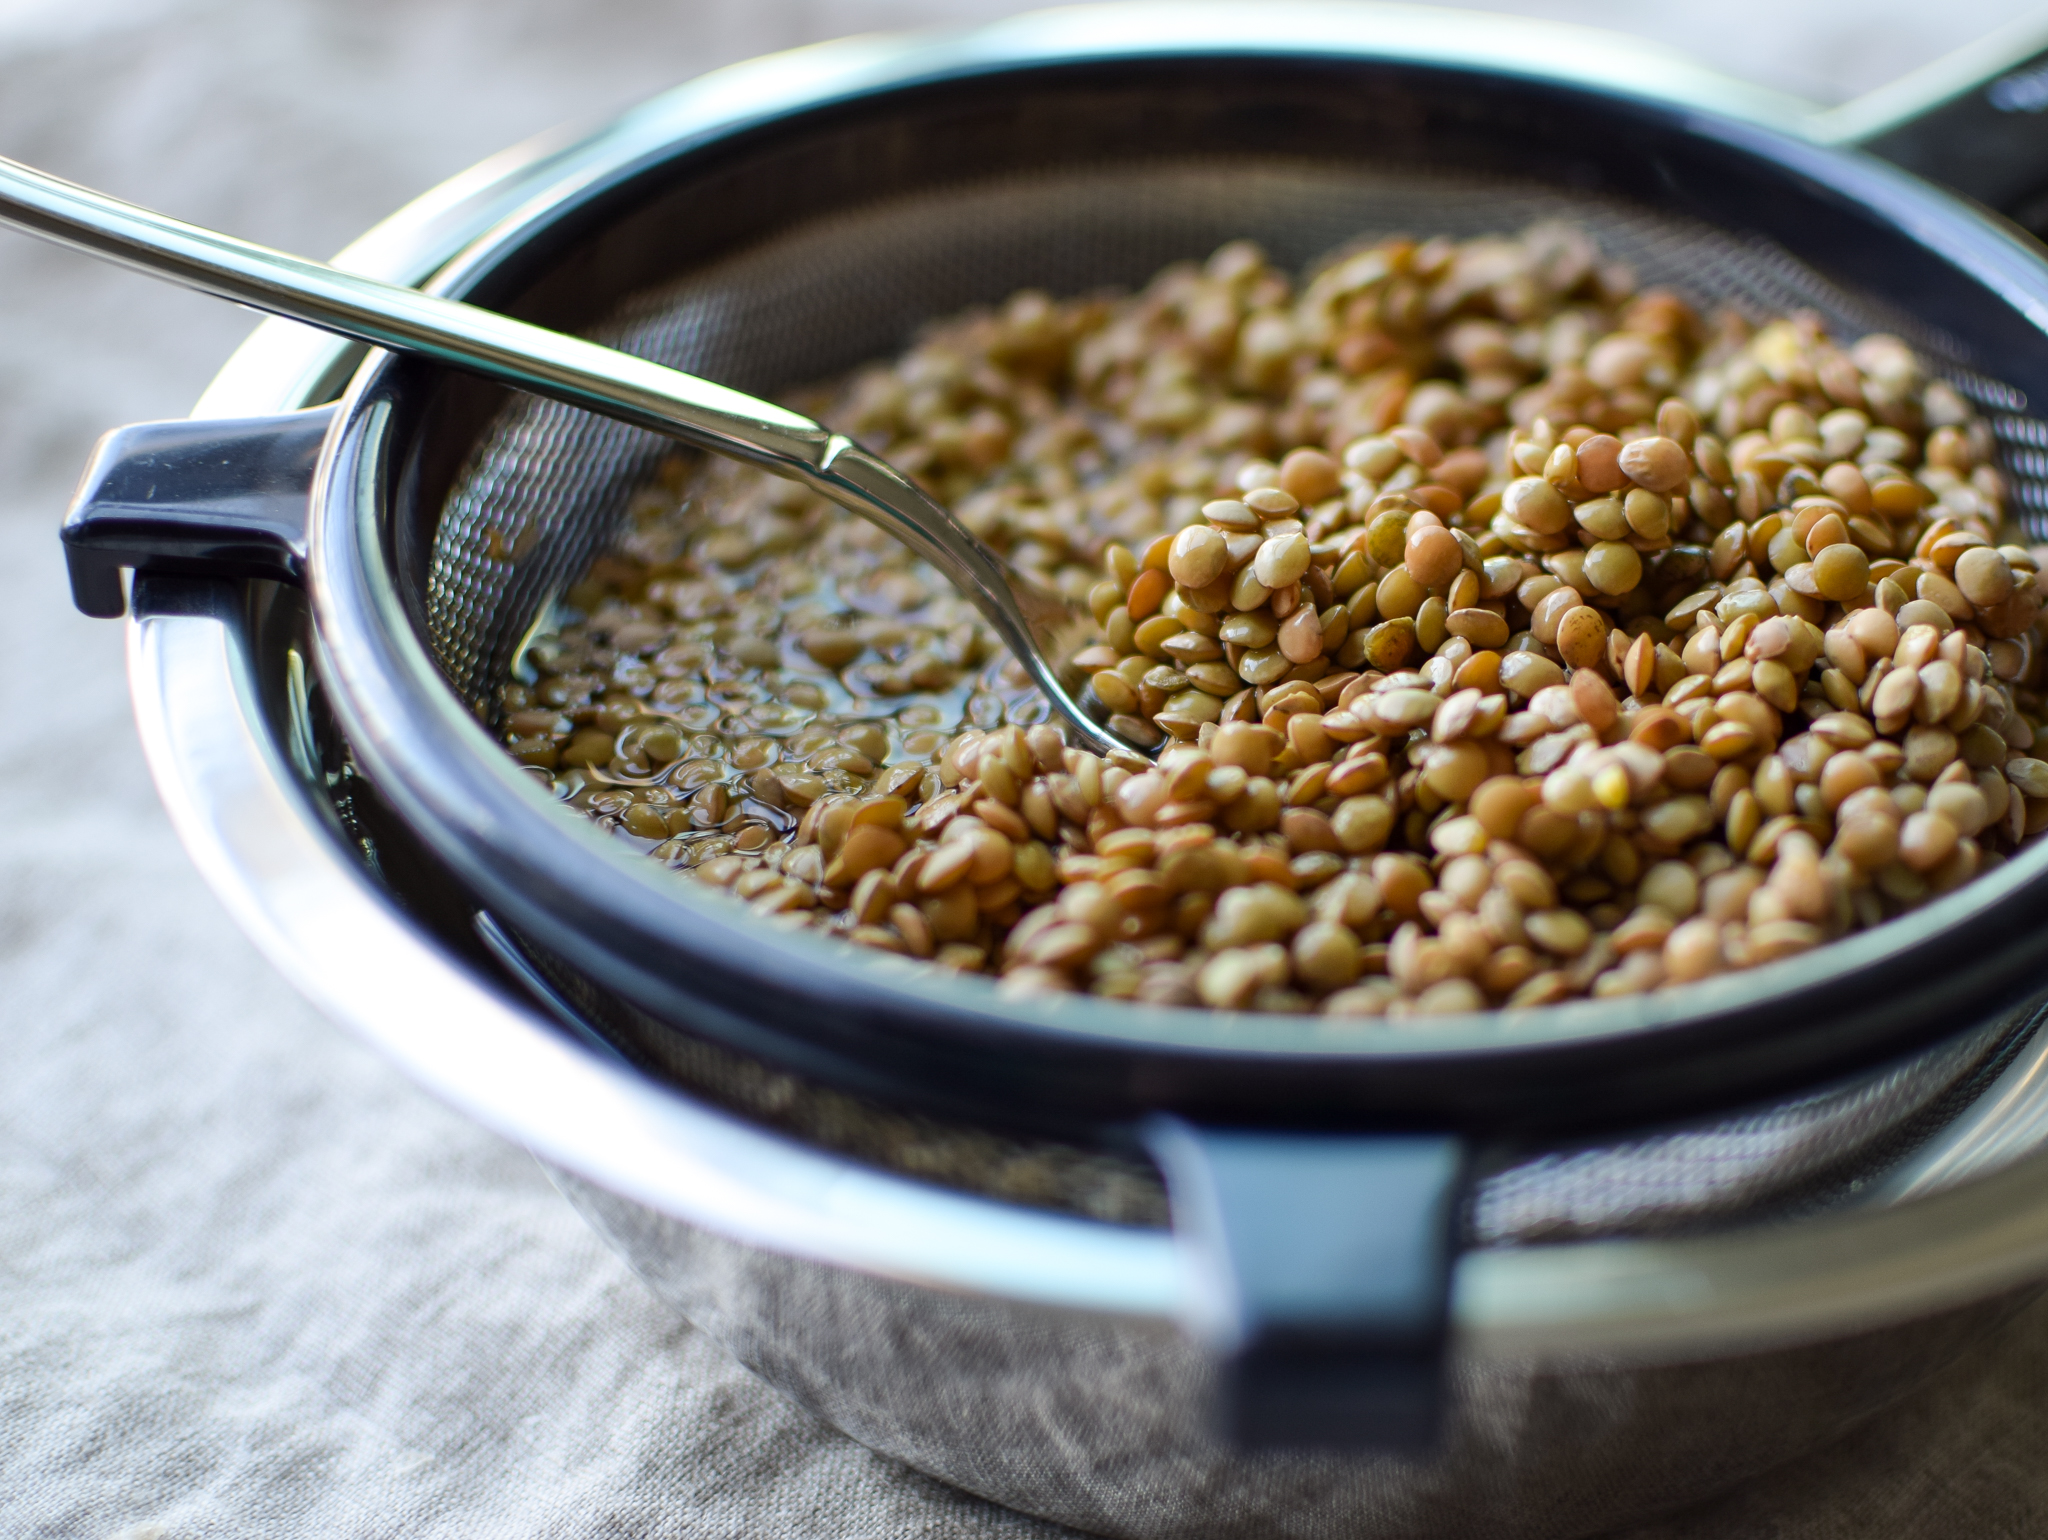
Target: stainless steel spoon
[{"x": 1039, "y": 627}]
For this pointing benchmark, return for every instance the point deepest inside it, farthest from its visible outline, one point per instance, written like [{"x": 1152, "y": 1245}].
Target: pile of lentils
[{"x": 1506, "y": 634}]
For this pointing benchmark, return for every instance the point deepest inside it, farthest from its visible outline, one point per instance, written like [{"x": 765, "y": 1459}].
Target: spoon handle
[
  {"x": 531, "y": 358},
  {"x": 1034, "y": 624}
]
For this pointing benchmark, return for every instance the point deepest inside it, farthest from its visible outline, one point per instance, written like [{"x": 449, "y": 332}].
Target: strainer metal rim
[
  {"x": 389, "y": 691},
  {"x": 263, "y": 847}
]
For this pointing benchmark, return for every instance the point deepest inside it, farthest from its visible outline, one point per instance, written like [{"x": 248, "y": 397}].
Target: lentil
[{"x": 1653, "y": 649}]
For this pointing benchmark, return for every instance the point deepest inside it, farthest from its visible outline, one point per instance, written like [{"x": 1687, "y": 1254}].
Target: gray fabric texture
[{"x": 251, "y": 1282}]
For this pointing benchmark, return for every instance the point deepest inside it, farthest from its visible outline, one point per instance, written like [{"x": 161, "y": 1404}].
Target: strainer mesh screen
[{"x": 547, "y": 487}]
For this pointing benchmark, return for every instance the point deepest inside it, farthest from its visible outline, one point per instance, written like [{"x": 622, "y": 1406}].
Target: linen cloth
[{"x": 251, "y": 1282}]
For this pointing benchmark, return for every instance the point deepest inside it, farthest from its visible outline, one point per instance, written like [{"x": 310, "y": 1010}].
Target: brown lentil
[{"x": 1652, "y": 649}]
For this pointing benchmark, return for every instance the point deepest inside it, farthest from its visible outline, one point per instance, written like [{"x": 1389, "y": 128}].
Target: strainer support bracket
[
  {"x": 196, "y": 499},
  {"x": 1319, "y": 1270}
]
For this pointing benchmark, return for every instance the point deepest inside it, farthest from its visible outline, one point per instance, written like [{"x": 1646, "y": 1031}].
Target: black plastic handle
[
  {"x": 225, "y": 497},
  {"x": 1321, "y": 1274}
]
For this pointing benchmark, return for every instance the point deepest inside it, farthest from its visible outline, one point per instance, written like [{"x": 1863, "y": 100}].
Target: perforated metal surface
[
  {"x": 1796, "y": 1155},
  {"x": 547, "y": 486}
]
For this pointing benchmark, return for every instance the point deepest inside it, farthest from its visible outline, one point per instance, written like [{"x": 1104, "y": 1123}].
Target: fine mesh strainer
[{"x": 1315, "y": 1175}]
